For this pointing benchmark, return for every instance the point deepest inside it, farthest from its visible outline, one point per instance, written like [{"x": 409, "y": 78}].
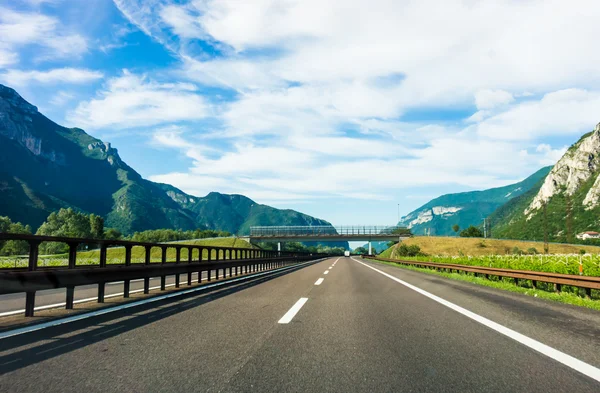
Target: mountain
[
  {"x": 466, "y": 208},
  {"x": 570, "y": 194},
  {"x": 44, "y": 167}
]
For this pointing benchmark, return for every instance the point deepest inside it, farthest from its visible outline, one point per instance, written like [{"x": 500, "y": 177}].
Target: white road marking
[
  {"x": 62, "y": 321},
  {"x": 287, "y": 318},
  {"x": 331, "y": 268},
  {"x": 319, "y": 281},
  {"x": 326, "y": 272},
  {"x": 561, "y": 357}
]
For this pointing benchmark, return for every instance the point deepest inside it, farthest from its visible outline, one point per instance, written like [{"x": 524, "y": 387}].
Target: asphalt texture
[{"x": 359, "y": 331}]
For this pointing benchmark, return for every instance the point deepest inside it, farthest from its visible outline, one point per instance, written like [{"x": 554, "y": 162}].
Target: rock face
[
  {"x": 438, "y": 216},
  {"x": 576, "y": 167},
  {"x": 570, "y": 192},
  {"x": 45, "y": 167}
]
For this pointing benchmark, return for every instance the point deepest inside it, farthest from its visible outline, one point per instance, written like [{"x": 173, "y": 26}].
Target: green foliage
[
  {"x": 471, "y": 231},
  {"x": 565, "y": 264},
  {"x": 171, "y": 235},
  {"x": 13, "y": 247},
  {"x": 112, "y": 234},
  {"x": 361, "y": 251},
  {"x": 456, "y": 228},
  {"x": 534, "y": 251},
  {"x": 582, "y": 252},
  {"x": 482, "y": 244},
  {"x": 96, "y": 227},
  {"x": 517, "y": 251},
  {"x": 474, "y": 206},
  {"x": 409, "y": 251},
  {"x": 402, "y": 231},
  {"x": 300, "y": 247}
]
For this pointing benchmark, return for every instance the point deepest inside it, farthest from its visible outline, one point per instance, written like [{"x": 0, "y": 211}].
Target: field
[
  {"x": 116, "y": 255},
  {"x": 565, "y": 260},
  {"x": 457, "y": 246}
]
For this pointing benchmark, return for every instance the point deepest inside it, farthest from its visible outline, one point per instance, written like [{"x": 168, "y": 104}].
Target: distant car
[{"x": 346, "y": 253}]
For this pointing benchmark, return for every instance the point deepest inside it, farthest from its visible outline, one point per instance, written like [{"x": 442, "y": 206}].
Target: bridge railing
[
  {"x": 322, "y": 230},
  {"x": 184, "y": 259}
]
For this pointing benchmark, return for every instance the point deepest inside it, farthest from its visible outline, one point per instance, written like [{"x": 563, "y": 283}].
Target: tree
[
  {"x": 361, "y": 251},
  {"x": 112, "y": 234},
  {"x": 96, "y": 227},
  {"x": 13, "y": 247},
  {"x": 471, "y": 231},
  {"x": 456, "y": 228},
  {"x": 65, "y": 223}
]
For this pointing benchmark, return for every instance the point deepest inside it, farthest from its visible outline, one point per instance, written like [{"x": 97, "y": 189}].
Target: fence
[{"x": 35, "y": 278}]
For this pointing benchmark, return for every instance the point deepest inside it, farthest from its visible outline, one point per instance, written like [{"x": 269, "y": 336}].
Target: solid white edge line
[
  {"x": 319, "y": 281},
  {"x": 62, "y": 321},
  {"x": 287, "y": 318},
  {"x": 561, "y": 357}
]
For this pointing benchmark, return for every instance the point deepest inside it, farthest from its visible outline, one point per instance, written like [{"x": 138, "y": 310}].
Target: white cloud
[
  {"x": 57, "y": 75},
  {"x": 564, "y": 112},
  {"x": 18, "y": 29},
  {"x": 489, "y": 99},
  {"x": 329, "y": 85},
  {"x": 61, "y": 98},
  {"x": 134, "y": 101}
]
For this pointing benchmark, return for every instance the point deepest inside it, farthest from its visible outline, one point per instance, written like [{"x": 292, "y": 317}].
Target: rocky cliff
[{"x": 570, "y": 194}]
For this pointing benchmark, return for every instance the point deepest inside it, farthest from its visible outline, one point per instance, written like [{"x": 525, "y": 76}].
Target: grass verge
[{"x": 563, "y": 297}]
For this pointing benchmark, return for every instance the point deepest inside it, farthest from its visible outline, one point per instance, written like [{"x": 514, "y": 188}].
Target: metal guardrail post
[
  {"x": 32, "y": 266},
  {"x": 102, "y": 285},
  {"x": 190, "y": 260},
  {"x": 70, "y": 296},
  {"x": 127, "y": 283},
  {"x": 177, "y": 261},
  {"x": 163, "y": 278},
  {"x": 147, "y": 262}
]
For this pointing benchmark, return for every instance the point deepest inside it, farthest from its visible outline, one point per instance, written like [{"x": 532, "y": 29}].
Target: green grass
[
  {"x": 117, "y": 255},
  {"x": 563, "y": 297}
]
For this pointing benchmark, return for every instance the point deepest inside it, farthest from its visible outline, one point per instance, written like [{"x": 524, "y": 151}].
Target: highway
[{"x": 345, "y": 326}]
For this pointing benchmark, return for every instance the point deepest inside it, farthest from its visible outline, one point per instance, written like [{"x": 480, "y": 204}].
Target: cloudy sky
[{"x": 342, "y": 109}]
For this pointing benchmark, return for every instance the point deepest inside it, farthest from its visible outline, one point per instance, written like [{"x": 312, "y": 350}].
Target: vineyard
[{"x": 565, "y": 264}]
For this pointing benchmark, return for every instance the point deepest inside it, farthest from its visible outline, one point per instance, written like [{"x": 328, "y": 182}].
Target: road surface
[{"x": 356, "y": 328}]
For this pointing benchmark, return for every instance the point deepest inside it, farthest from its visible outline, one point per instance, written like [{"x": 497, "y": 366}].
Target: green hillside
[
  {"x": 44, "y": 166},
  {"x": 567, "y": 193},
  {"x": 464, "y": 209}
]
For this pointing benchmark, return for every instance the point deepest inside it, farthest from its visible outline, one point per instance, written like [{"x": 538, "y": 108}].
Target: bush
[
  {"x": 13, "y": 247},
  {"x": 409, "y": 251},
  {"x": 582, "y": 252},
  {"x": 471, "y": 232},
  {"x": 532, "y": 251},
  {"x": 517, "y": 251},
  {"x": 482, "y": 244}
]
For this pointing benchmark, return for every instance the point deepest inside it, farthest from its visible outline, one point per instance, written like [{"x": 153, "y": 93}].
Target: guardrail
[
  {"x": 586, "y": 282},
  {"x": 35, "y": 278}
]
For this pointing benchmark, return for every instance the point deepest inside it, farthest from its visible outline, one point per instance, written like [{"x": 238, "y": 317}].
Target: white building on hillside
[{"x": 588, "y": 235}]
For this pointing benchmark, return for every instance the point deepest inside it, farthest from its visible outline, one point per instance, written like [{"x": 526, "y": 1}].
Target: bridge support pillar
[{"x": 370, "y": 248}]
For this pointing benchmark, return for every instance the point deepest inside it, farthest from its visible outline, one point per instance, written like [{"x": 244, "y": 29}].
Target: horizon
[{"x": 343, "y": 119}]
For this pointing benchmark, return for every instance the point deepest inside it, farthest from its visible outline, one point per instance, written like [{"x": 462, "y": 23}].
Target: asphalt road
[{"x": 358, "y": 330}]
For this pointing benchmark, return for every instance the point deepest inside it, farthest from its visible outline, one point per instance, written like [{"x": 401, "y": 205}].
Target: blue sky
[{"x": 340, "y": 109}]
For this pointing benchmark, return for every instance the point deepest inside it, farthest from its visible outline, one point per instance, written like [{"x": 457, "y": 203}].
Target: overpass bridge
[{"x": 327, "y": 233}]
